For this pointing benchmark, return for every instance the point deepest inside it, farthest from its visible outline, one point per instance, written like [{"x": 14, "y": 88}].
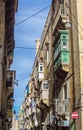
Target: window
[
  {"x": 64, "y": 45},
  {"x": 64, "y": 37},
  {"x": 48, "y": 55},
  {"x": 41, "y": 67},
  {"x": 45, "y": 85}
]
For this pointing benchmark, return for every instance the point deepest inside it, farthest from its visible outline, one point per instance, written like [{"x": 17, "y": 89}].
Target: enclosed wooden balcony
[
  {"x": 10, "y": 82},
  {"x": 11, "y": 57},
  {"x": 10, "y": 102},
  {"x": 59, "y": 13},
  {"x": 43, "y": 102},
  {"x": 40, "y": 73},
  {"x": 61, "y": 51},
  {"x": 44, "y": 93},
  {"x": 62, "y": 107},
  {"x": 9, "y": 114}
]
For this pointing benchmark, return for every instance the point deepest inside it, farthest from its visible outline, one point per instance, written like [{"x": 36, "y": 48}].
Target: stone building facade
[{"x": 7, "y": 43}]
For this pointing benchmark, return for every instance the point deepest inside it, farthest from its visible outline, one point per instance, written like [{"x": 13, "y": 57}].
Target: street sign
[{"x": 74, "y": 115}]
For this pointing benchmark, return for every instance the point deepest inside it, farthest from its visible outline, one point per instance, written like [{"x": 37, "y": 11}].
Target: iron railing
[{"x": 62, "y": 106}]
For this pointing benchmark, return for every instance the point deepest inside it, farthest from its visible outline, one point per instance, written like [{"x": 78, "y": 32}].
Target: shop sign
[{"x": 63, "y": 123}]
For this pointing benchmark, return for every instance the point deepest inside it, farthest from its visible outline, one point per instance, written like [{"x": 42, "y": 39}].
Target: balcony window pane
[{"x": 65, "y": 92}]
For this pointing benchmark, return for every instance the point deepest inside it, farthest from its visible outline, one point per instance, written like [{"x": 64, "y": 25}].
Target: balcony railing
[
  {"x": 62, "y": 106},
  {"x": 10, "y": 81},
  {"x": 10, "y": 101},
  {"x": 9, "y": 113}
]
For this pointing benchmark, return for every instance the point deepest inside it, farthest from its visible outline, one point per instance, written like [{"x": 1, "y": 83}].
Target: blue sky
[{"x": 25, "y": 35}]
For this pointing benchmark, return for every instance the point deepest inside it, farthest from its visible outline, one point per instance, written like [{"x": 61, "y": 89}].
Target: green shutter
[
  {"x": 65, "y": 57},
  {"x": 64, "y": 46}
]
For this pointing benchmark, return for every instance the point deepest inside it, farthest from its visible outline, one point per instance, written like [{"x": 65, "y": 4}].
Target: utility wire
[
  {"x": 38, "y": 13},
  {"x": 42, "y": 11},
  {"x": 21, "y": 47},
  {"x": 27, "y": 77},
  {"x": 32, "y": 16},
  {"x": 8, "y": 28}
]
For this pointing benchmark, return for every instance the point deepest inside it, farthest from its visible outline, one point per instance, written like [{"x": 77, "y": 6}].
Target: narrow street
[{"x": 41, "y": 65}]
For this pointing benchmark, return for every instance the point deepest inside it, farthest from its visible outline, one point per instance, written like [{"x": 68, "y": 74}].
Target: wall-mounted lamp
[{"x": 68, "y": 24}]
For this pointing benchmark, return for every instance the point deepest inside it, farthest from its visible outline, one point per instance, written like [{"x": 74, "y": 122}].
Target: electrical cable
[
  {"x": 23, "y": 79},
  {"x": 28, "y": 18},
  {"x": 21, "y": 47},
  {"x": 38, "y": 13},
  {"x": 32, "y": 16},
  {"x": 45, "y": 9},
  {"x": 35, "y": 48}
]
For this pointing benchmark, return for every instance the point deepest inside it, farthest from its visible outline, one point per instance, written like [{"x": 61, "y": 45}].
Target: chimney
[{"x": 37, "y": 45}]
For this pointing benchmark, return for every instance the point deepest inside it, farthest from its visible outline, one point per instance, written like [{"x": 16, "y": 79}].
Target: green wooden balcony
[{"x": 61, "y": 50}]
